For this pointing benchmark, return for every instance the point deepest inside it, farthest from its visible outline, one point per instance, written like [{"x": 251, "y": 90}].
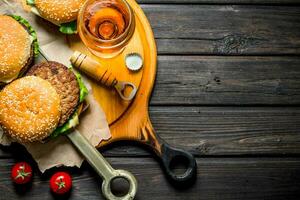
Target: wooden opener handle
[{"x": 101, "y": 74}]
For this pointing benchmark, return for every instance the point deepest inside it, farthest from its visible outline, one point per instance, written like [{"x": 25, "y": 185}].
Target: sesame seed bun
[
  {"x": 15, "y": 49},
  {"x": 59, "y": 11},
  {"x": 29, "y": 109}
]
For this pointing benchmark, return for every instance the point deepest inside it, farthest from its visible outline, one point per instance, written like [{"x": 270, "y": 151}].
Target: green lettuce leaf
[
  {"x": 68, "y": 28},
  {"x": 71, "y": 123},
  {"x": 30, "y": 2},
  {"x": 83, "y": 90},
  {"x": 74, "y": 119},
  {"x": 32, "y": 32}
]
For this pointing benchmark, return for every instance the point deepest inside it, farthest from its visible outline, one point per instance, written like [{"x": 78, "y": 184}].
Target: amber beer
[{"x": 106, "y": 26}]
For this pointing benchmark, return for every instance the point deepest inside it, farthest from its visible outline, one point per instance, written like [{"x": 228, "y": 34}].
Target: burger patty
[{"x": 65, "y": 83}]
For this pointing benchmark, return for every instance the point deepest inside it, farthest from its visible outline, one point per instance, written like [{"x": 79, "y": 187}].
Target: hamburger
[
  {"x": 62, "y": 13},
  {"x": 18, "y": 46},
  {"x": 43, "y": 104}
]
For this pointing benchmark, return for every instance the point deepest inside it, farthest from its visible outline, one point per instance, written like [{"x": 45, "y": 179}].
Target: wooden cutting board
[{"x": 130, "y": 120}]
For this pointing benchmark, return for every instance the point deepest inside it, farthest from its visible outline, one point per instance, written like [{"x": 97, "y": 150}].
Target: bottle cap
[{"x": 134, "y": 61}]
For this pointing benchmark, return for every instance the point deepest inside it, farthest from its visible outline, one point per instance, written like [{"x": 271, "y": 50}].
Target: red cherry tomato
[
  {"x": 21, "y": 173},
  {"x": 60, "y": 183}
]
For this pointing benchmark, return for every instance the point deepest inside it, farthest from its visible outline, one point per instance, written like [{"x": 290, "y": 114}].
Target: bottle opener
[{"x": 102, "y": 74}]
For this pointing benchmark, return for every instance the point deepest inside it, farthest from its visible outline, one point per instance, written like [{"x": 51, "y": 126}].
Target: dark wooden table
[{"x": 227, "y": 89}]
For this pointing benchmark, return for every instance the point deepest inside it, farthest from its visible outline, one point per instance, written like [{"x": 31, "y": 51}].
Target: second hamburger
[
  {"x": 62, "y": 13},
  {"x": 46, "y": 102},
  {"x": 18, "y": 46}
]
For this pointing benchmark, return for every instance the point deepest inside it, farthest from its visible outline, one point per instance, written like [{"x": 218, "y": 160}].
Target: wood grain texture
[
  {"x": 230, "y": 130},
  {"x": 211, "y": 131},
  {"x": 112, "y": 104},
  {"x": 224, "y": 131},
  {"x": 218, "y": 178},
  {"x": 225, "y": 30},
  {"x": 232, "y": 110},
  {"x": 199, "y": 80}
]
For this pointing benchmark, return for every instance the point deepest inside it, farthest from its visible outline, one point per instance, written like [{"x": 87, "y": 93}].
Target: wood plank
[
  {"x": 209, "y": 80},
  {"x": 224, "y": 131},
  {"x": 218, "y": 178},
  {"x": 230, "y": 130},
  {"x": 225, "y": 30},
  {"x": 221, "y": 131},
  {"x": 256, "y": 2}
]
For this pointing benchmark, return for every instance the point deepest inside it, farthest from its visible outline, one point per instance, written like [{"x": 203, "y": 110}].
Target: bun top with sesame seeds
[
  {"x": 29, "y": 109},
  {"x": 59, "y": 11},
  {"x": 15, "y": 48}
]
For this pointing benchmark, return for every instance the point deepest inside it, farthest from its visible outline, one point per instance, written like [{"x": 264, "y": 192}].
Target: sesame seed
[{"x": 59, "y": 11}]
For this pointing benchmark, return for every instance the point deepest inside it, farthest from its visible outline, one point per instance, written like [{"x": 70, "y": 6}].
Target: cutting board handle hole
[{"x": 179, "y": 165}]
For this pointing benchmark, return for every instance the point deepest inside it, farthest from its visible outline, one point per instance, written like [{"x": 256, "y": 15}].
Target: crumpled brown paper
[{"x": 93, "y": 124}]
